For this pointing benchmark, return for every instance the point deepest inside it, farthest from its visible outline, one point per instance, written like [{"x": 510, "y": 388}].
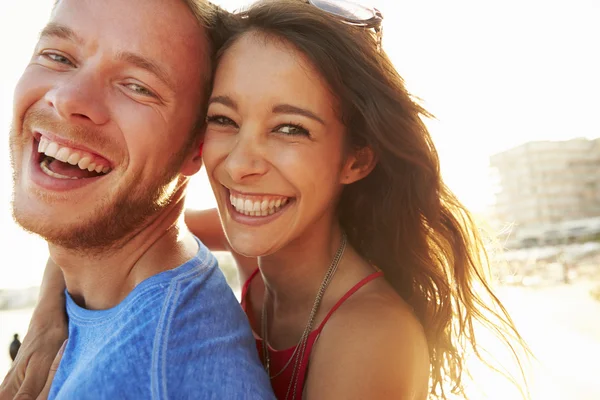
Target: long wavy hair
[{"x": 401, "y": 217}]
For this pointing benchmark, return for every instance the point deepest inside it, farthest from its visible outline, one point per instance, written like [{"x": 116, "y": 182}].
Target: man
[{"x": 105, "y": 135}]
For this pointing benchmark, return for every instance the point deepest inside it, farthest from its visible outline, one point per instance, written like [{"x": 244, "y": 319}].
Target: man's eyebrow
[
  {"x": 54, "y": 29},
  {"x": 146, "y": 64},
  {"x": 225, "y": 100},
  {"x": 290, "y": 109}
]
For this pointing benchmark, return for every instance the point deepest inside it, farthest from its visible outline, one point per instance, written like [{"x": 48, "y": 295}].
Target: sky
[{"x": 494, "y": 74}]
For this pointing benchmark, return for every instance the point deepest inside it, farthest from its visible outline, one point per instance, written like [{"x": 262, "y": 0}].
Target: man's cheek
[{"x": 28, "y": 91}]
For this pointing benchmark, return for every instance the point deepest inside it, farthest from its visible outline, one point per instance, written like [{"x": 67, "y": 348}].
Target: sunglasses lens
[{"x": 345, "y": 9}]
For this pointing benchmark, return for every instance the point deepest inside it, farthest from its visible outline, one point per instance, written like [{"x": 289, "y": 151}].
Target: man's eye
[
  {"x": 139, "y": 89},
  {"x": 58, "y": 58}
]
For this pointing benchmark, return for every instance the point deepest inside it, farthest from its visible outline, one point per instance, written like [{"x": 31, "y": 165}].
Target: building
[{"x": 543, "y": 187}]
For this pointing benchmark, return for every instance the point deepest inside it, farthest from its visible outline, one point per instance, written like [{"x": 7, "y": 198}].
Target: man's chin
[
  {"x": 92, "y": 225},
  {"x": 92, "y": 230},
  {"x": 61, "y": 234},
  {"x": 72, "y": 229}
]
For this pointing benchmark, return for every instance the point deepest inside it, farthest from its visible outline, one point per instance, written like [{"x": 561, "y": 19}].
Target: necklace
[{"x": 300, "y": 349}]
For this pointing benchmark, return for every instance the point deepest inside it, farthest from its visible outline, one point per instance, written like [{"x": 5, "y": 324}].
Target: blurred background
[{"x": 515, "y": 89}]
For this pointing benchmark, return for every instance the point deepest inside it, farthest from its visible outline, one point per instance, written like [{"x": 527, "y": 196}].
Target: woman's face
[{"x": 274, "y": 148}]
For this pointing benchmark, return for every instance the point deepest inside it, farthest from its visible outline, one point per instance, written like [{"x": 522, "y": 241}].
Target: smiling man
[{"x": 105, "y": 135}]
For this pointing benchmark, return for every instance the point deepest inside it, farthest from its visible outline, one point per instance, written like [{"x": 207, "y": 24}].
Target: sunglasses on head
[{"x": 354, "y": 14}]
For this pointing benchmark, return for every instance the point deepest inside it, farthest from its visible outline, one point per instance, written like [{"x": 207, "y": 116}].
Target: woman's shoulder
[
  {"x": 375, "y": 334},
  {"x": 381, "y": 313}
]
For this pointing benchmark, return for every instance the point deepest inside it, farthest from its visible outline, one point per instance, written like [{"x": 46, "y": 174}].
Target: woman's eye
[
  {"x": 292, "y": 130},
  {"x": 220, "y": 120}
]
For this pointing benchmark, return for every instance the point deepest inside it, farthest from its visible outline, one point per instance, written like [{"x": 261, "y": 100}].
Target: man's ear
[
  {"x": 359, "y": 164},
  {"x": 193, "y": 161}
]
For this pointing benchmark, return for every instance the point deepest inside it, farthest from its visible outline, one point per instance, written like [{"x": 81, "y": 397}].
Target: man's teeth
[
  {"x": 80, "y": 158},
  {"x": 48, "y": 171},
  {"x": 257, "y": 207}
]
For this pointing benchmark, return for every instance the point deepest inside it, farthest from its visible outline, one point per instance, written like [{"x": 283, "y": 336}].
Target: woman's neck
[{"x": 294, "y": 274}]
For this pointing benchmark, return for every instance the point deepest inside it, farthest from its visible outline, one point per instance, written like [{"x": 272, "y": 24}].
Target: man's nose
[{"x": 80, "y": 99}]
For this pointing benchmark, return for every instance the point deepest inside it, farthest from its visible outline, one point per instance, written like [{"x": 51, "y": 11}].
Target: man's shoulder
[
  {"x": 204, "y": 342},
  {"x": 191, "y": 294},
  {"x": 204, "y": 298},
  {"x": 198, "y": 295},
  {"x": 201, "y": 285}
]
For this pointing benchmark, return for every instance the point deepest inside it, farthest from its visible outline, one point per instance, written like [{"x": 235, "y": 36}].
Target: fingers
[
  {"x": 13, "y": 379},
  {"x": 46, "y": 390},
  {"x": 28, "y": 389},
  {"x": 31, "y": 386},
  {"x": 47, "y": 331}
]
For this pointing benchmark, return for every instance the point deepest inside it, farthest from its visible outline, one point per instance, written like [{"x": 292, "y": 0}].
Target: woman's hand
[
  {"x": 31, "y": 373},
  {"x": 53, "y": 368},
  {"x": 31, "y": 370}
]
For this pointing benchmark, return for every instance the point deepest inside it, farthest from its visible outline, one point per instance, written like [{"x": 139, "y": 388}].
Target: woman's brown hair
[{"x": 401, "y": 217}]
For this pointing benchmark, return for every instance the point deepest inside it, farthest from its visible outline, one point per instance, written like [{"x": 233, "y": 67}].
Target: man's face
[{"x": 103, "y": 116}]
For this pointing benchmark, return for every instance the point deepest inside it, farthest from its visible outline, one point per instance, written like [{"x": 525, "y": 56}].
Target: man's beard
[{"x": 118, "y": 217}]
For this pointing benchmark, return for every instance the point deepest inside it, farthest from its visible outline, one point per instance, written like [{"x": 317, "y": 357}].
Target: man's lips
[
  {"x": 71, "y": 153},
  {"x": 73, "y": 157},
  {"x": 55, "y": 176}
]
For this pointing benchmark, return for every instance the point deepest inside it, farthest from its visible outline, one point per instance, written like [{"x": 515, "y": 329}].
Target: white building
[{"x": 542, "y": 188}]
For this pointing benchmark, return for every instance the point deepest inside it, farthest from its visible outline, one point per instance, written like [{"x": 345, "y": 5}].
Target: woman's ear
[{"x": 359, "y": 164}]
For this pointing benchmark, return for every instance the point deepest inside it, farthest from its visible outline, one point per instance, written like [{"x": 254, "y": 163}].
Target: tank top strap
[
  {"x": 349, "y": 293},
  {"x": 247, "y": 285}
]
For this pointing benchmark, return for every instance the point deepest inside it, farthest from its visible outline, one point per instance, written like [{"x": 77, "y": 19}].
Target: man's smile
[{"x": 61, "y": 161}]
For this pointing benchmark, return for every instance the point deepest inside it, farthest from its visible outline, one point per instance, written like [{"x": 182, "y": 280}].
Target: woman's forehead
[{"x": 261, "y": 66}]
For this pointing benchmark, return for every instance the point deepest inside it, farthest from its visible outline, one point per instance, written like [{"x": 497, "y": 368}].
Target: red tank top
[{"x": 279, "y": 358}]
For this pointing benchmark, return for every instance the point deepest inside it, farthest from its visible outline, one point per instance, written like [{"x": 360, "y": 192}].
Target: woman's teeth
[{"x": 257, "y": 206}]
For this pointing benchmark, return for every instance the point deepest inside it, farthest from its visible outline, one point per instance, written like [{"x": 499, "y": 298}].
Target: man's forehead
[
  {"x": 161, "y": 31},
  {"x": 164, "y": 18}
]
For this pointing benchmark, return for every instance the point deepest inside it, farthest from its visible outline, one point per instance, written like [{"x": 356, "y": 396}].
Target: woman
[{"x": 324, "y": 171}]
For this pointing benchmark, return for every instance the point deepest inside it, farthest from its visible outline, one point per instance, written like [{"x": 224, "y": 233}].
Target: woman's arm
[
  {"x": 47, "y": 332},
  {"x": 206, "y": 225}
]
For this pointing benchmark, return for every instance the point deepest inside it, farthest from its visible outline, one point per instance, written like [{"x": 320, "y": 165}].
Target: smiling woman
[{"x": 324, "y": 170}]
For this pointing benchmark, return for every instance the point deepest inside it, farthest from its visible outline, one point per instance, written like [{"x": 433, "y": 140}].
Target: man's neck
[{"x": 104, "y": 280}]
